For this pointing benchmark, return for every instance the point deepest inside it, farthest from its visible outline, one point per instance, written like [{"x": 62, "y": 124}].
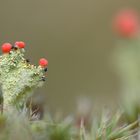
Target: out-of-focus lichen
[{"x": 18, "y": 78}]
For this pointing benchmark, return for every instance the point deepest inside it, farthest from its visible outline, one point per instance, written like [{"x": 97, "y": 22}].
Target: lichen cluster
[{"x": 18, "y": 78}]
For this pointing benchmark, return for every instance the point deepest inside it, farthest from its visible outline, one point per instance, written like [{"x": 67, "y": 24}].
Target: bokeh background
[{"x": 77, "y": 39}]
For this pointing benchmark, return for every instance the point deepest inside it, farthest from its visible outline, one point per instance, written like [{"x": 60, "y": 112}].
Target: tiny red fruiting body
[
  {"x": 43, "y": 62},
  {"x": 20, "y": 44},
  {"x": 6, "y": 47},
  {"x": 126, "y": 23}
]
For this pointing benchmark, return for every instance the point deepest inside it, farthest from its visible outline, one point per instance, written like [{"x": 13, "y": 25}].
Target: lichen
[{"x": 18, "y": 78}]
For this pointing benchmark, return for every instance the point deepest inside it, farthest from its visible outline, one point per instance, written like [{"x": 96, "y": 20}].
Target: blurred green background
[{"x": 75, "y": 36}]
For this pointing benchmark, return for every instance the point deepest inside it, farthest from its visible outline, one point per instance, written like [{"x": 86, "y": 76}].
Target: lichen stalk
[{"x": 18, "y": 78}]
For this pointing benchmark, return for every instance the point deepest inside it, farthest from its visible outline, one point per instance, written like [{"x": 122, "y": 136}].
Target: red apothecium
[
  {"x": 43, "y": 62},
  {"x": 20, "y": 44},
  {"x": 6, "y": 47},
  {"x": 126, "y": 23}
]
